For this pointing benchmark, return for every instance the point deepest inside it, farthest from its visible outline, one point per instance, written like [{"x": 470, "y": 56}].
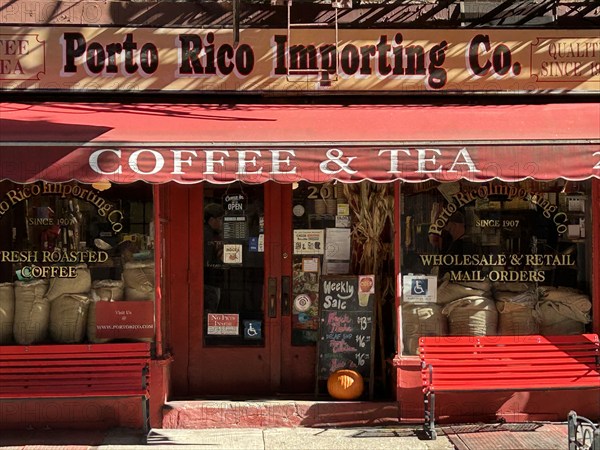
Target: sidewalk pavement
[{"x": 367, "y": 438}]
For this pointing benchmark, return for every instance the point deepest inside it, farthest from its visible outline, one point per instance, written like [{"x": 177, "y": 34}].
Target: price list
[{"x": 346, "y": 328}]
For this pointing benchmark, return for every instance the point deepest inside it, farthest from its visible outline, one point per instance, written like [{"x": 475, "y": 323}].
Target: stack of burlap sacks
[
  {"x": 489, "y": 309},
  {"x": 63, "y": 310}
]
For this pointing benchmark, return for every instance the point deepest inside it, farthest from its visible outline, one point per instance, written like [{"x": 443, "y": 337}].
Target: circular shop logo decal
[{"x": 302, "y": 303}]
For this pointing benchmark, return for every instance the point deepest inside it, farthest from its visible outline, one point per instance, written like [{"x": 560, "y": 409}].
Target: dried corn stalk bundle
[{"x": 372, "y": 206}]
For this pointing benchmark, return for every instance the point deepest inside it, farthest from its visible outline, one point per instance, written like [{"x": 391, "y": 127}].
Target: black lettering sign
[{"x": 346, "y": 328}]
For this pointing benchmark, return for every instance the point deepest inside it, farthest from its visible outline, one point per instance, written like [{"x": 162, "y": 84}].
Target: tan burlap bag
[
  {"x": 559, "y": 319},
  {"x": 564, "y": 311},
  {"x": 472, "y": 316},
  {"x": 81, "y": 284},
  {"x": 32, "y": 312},
  {"x": 7, "y": 313},
  {"x": 448, "y": 291},
  {"x": 579, "y": 300},
  {"x": 519, "y": 314},
  {"x": 421, "y": 320},
  {"x": 139, "y": 280},
  {"x": 512, "y": 286},
  {"x": 68, "y": 318},
  {"x": 111, "y": 290}
]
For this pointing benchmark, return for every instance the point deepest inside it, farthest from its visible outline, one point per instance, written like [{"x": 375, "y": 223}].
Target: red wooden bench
[
  {"x": 76, "y": 371},
  {"x": 505, "y": 363}
]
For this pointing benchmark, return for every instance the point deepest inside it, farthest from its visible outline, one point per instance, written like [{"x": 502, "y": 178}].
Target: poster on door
[
  {"x": 309, "y": 242},
  {"x": 223, "y": 324}
]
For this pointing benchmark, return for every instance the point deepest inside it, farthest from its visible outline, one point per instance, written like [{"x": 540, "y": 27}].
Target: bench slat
[
  {"x": 71, "y": 369},
  {"x": 515, "y": 384},
  {"x": 72, "y": 363},
  {"x": 488, "y": 349},
  {"x": 536, "y": 366},
  {"x": 73, "y": 356},
  {"x": 69, "y": 375},
  {"x": 71, "y": 394},
  {"x": 117, "y": 348},
  {"x": 441, "y": 341},
  {"x": 117, "y": 389},
  {"x": 549, "y": 376}
]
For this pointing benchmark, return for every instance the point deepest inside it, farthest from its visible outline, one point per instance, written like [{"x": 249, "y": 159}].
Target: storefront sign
[
  {"x": 286, "y": 144},
  {"x": 61, "y": 247},
  {"x": 177, "y": 59},
  {"x": 125, "y": 320},
  {"x": 50, "y": 264},
  {"x": 63, "y": 191},
  {"x": 509, "y": 192},
  {"x": 532, "y": 266},
  {"x": 223, "y": 324},
  {"x": 315, "y": 164},
  {"x": 466, "y": 261}
]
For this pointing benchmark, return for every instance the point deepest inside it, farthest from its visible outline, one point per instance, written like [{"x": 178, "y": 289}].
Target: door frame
[{"x": 288, "y": 369}]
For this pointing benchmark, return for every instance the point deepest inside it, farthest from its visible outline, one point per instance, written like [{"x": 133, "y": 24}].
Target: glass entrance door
[
  {"x": 240, "y": 331},
  {"x": 234, "y": 266}
]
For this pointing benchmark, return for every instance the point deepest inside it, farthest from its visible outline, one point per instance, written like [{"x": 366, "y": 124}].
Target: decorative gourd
[{"x": 345, "y": 384}]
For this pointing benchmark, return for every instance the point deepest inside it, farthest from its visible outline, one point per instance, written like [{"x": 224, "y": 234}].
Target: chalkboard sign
[{"x": 346, "y": 327}]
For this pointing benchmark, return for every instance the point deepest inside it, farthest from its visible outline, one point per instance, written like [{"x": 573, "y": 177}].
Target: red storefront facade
[{"x": 215, "y": 178}]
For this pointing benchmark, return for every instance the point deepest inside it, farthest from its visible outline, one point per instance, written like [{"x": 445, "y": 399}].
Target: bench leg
[
  {"x": 429, "y": 408},
  {"x": 583, "y": 433},
  {"x": 145, "y": 414}
]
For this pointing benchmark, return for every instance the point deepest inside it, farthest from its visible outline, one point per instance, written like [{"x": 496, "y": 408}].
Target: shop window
[
  {"x": 341, "y": 229},
  {"x": 495, "y": 259},
  {"x": 77, "y": 263},
  {"x": 316, "y": 209}
]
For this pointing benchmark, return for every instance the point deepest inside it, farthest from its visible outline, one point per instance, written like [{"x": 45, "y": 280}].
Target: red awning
[{"x": 256, "y": 143}]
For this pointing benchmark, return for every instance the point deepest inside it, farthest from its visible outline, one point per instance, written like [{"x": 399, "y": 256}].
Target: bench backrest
[
  {"x": 510, "y": 362},
  {"x": 120, "y": 369}
]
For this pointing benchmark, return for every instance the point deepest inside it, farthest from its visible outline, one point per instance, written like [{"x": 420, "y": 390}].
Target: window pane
[
  {"x": 69, "y": 250},
  {"x": 233, "y": 264},
  {"x": 496, "y": 258}
]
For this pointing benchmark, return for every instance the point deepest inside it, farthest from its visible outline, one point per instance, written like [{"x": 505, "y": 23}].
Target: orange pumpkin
[{"x": 345, "y": 384}]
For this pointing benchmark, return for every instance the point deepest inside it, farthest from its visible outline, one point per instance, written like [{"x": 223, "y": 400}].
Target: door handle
[
  {"x": 272, "y": 293},
  {"x": 285, "y": 296}
]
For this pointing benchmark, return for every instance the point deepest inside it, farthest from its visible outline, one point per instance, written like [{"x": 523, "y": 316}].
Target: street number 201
[{"x": 325, "y": 192}]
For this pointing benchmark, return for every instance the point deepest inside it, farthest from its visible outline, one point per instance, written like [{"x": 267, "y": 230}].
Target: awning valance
[{"x": 256, "y": 143}]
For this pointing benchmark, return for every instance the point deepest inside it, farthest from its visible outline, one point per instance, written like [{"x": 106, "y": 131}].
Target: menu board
[{"x": 346, "y": 327}]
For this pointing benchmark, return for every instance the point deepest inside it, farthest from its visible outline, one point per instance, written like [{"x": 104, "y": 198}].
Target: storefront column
[{"x": 595, "y": 288}]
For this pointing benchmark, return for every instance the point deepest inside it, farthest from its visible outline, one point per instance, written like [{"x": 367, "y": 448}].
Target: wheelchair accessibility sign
[
  {"x": 252, "y": 329},
  {"x": 419, "y": 289}
]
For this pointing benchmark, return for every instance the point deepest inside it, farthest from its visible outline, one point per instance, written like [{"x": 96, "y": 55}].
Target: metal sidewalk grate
[
  {"x": 482, "y": 428},
  {"x": 508, "y": 436}
]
